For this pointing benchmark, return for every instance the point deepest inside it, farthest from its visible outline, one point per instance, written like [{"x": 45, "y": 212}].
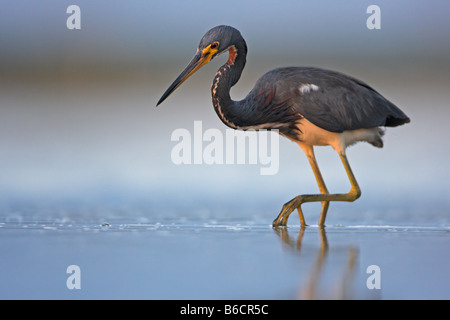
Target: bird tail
[{"x": 378, "y": 141}]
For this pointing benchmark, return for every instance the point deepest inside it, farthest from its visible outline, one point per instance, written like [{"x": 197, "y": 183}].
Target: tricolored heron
[{"x": 310, "y": 106}]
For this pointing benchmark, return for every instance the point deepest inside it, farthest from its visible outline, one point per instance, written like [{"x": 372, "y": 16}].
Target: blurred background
[{"x": 80, "y": 134}]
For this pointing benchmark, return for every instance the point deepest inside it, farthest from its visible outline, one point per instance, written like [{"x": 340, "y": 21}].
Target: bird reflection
[{"x": 309, "y": 289}]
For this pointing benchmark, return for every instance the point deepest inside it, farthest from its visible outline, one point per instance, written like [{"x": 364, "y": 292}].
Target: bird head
[{"x": 215, "y": 42}]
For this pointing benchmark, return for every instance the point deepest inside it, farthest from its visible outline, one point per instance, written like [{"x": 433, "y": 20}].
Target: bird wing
[{"x": 330, "y": 100}]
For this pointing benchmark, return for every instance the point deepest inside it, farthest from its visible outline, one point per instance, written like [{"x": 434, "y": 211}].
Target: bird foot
[{"x": 288, "y": 208}]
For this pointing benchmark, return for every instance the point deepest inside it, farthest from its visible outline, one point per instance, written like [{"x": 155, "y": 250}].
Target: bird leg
[
  {"x": 322, "y": 187},
  {"x": 309, "y": 151},
  {"x": 324, "y": 197}
]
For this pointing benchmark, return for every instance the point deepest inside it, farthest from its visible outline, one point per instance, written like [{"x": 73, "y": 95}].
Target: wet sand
[{"x": 214, "y": 260}]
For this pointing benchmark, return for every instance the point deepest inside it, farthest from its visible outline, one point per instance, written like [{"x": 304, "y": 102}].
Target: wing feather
[{"x": 334, "y": 101}]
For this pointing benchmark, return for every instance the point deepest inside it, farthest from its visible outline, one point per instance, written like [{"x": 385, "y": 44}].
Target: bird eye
[{"x": 214, "y": 45}]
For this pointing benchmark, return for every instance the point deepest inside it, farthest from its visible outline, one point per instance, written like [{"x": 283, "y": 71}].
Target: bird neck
[{"x": 226, "y": 77}]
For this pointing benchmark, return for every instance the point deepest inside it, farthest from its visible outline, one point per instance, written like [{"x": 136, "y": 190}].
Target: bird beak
[{"x": 199, "y": 60}]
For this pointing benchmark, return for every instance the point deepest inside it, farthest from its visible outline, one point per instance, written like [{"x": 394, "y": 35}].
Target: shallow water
[
  {"x": 87, "y": 176},
  {"x": 213, "y": 260},
  {"x": 86, "y": 181}
]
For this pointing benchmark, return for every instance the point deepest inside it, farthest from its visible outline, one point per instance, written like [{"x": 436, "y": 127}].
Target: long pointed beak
[{"x": 198, "y": 61}]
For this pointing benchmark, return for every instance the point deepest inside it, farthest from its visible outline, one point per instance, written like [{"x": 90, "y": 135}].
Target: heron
[{"x": 308, "y": 105}]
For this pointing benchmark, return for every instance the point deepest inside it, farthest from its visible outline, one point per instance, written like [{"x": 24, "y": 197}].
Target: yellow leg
[
  {"x": 322, "y": 187},
  {"x": 324, "y": 197}
]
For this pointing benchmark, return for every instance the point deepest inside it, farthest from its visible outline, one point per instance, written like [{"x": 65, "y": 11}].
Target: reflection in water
[{"x": 310, "y": 289}]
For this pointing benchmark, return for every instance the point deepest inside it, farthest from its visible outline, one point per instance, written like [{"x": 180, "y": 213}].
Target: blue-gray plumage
[
  {"x": 331, "y": 100},
  {"x": 308, "y": 105}
]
